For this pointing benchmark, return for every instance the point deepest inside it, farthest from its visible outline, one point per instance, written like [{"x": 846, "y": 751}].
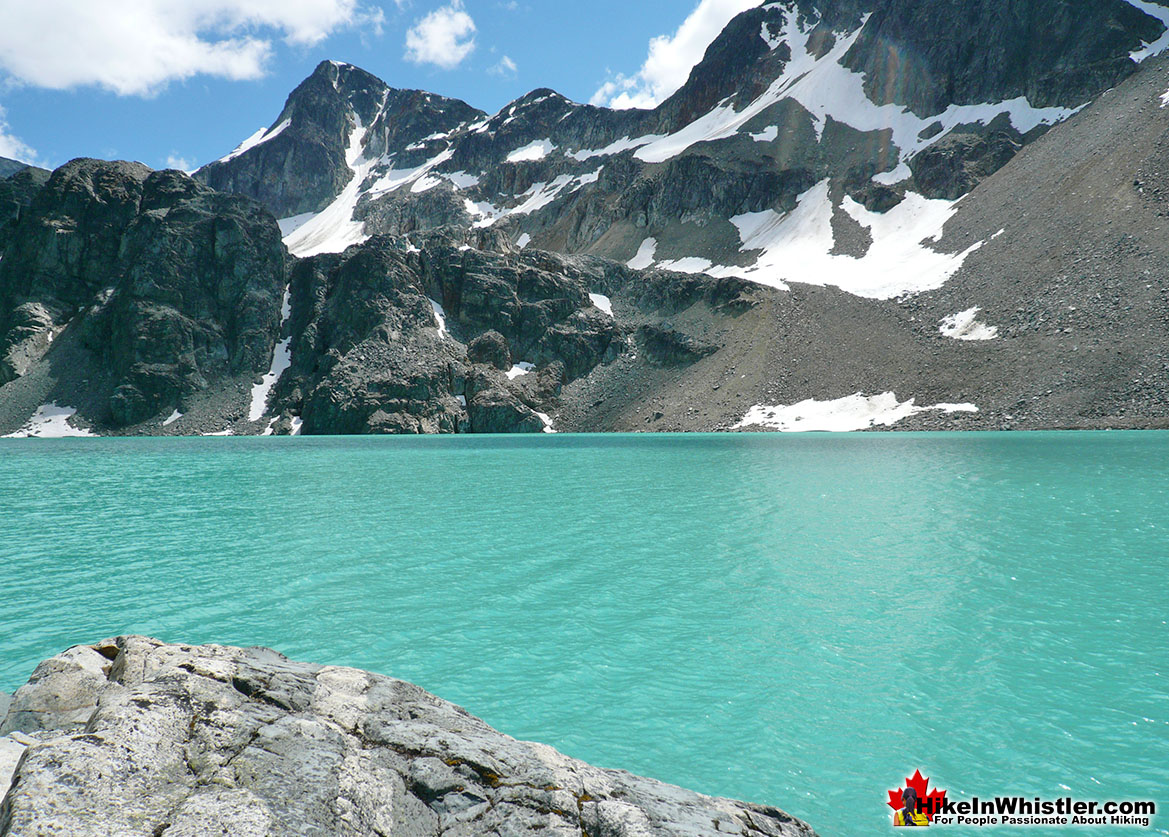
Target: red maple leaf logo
[{"x": 931, "y": 801}]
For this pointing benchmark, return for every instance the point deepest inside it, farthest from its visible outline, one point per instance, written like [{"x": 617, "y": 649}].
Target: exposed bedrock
[
  {"x": 165, "y": 285},
  {"x": 135, "y": 737}
]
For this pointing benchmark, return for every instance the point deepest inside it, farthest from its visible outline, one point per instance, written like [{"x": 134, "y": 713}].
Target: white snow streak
[
  {"x": 535, "y": 150},
  {"x": 623, "y": 144},
  {"x": 172, "y": 418},
  {"x": 965, "y": 326},
  {"x": 603, "y": 303},
  {"x": 261, "y": 136},
  {"x": 842, "y": 415},
  {"x": 826, "y": 88},
  {"x": 440, "y": 318},
  {"x": 521, "y": 368},
  {"x": 547, "y": 421},
  {"x": 333, "y": 229},
  {"x": 523, "y": 241},
  {"x": 281, "y": 360}
]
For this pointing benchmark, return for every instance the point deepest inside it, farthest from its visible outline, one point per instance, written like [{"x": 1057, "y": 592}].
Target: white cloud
[
  {"x": 444, "y": 37},
  {"x": 174, "y": 161},
  {"x": 135, "y": 47},
  {"x": 671, "y": 57},
  {"x": 505, "y": 67},
  {"x": 12, "y": 147}
]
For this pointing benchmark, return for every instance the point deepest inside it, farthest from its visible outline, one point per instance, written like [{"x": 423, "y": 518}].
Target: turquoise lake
[{"x": 794, "y": 620}]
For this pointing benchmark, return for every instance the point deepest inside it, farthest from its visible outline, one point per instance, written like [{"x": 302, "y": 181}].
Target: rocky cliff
[
  {"x": 144, "y": 287},
  {"x": 135, "y": 737}
]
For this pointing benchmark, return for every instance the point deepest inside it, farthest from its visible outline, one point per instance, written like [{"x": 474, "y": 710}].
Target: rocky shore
[{"x": 132, "y": 736}]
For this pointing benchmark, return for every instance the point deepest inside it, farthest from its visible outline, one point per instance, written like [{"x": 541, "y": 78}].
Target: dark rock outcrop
[
  {"x": 134, "y": 737},
  {"x": 167, "y": 284},
  {"x": 371, "y": 352},
  {"x": 16, "y": 195}
]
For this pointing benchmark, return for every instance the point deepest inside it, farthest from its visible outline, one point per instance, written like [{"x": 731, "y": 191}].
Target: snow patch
[
  {"x": 172, "y": 418},
  {"x": 964, "y": 326},
  {"x": 584, "y": 179},
  {"x": 1148, "y": 50},
  {"x": 294, "y": 222},
  {"x": 895, "y": 176},
  {"x": 461, "y": 179},
  {"x": 281, "y": 360},
  {"x": 333, "y": 229},
  {"x": 50, "y": 421},
  {"x": 826, "y": 88},
  {"x": 521, "y": 368},
  {"x": 796, "y": 246},
  {"x": 842, "y": 415},
  {"x": 623, "y": 144},
  {"x": 440, "y": 318},
  {"x": 395, "y": 178},
  {"x": 603, "y": 303},
  {"x": 645, "y": 254},
  {"x": 261, "y": 136},
  {"x": 535, "y": 150},
  {"x": 768, "y": 134},
  {"x": 297, "y": 424},
  {"x": 547, "y": 421},
  {"x": 523, "y": 241}
]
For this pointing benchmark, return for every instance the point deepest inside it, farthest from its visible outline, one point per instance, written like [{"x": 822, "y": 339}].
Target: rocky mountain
[
  {"x": 135, "y": 737},
  {"x": 890, "y": 106},
  {"x": 824, "y": 227}
]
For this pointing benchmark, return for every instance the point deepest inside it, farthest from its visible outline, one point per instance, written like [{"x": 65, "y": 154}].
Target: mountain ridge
[{"x": 562, "y": 266}]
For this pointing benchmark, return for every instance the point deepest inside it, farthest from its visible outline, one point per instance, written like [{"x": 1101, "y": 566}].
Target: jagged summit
[
  {"x": 858, "y": 123},
  {"x": 299, "y": 164}
]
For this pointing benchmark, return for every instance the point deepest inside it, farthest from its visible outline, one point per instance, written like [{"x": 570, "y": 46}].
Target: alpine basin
[{"x": 795, "y": 620}]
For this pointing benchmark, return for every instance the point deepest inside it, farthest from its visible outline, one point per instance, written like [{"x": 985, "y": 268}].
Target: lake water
[{"x": 795, "y": 620}]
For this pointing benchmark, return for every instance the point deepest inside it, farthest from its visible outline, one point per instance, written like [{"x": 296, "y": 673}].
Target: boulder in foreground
[{"x": 135, "y": 737}]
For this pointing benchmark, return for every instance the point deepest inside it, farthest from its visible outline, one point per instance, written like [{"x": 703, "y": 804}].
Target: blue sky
[{"x": 184, "y": 81}]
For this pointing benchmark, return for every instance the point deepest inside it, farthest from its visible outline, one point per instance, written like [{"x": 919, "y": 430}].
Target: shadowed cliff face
[{"x": 166, "y": 283}]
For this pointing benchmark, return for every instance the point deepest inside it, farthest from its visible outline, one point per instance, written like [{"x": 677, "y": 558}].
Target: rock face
[
  {"x": 380, "y": 336},
  {"x": 167, "y": 285},
  {"x": 299, "y": 164},
  {"x": 10, "y": 167},
  {"x": 135, "y": 737}
]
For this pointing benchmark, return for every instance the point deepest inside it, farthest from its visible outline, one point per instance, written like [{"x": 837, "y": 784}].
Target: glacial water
[{"x": 795, "y": 620}]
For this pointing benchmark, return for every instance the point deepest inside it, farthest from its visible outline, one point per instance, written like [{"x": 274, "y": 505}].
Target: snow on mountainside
[
  {"x": 922, "y": 213},
  {"x": 824, "y": 147}
]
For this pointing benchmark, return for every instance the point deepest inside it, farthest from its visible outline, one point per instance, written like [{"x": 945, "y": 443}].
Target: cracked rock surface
[{"x": 136, "y": 737}]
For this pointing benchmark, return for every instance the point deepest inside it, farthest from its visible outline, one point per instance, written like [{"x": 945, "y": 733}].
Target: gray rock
[{"x": 214, "y": 740}]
